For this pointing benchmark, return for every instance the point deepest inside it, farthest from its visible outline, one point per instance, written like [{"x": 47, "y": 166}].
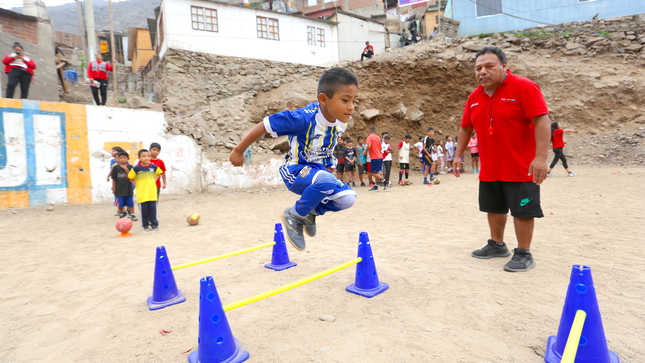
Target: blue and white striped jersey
[{"x": 311, "y": 137}]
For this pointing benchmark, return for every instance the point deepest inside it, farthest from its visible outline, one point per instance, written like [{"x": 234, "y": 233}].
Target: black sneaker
[
  {"x": 294, "y": 227},
  {"x": 363, "y": 185},
  {"x": 522, "y": 260},
  {"x": 123, "y": 215},
  {"x": 147, "y": 228},
  {"x": 310, "y": 225},
  {"x": 387, "y": 185},
  {"x": 492, "y": 250},
  {"x": 154, "y": 228},
  {"x": 132, "y": 217},
  {"x": 374, "y": 189},
  {"x": 353, "y": 184}
]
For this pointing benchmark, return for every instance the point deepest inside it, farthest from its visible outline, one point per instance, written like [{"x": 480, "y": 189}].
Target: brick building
[{"x": 37, "y": 38}]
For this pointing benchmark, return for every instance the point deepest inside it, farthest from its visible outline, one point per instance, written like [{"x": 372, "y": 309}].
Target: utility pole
[
  {"x": 113, "y": 52},
  {"x": 81, "y": 28},
  {"x": 439, "y": 18},
  {"x": 91, "y": 31}
]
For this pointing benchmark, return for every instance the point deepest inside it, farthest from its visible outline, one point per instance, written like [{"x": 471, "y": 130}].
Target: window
[
  {"x": 488, "y": 7},
  {"x": 316, "y": 36},
  {"x": 204, "y": 19},
  {"x": 312, "y": 2},
  {"x": 311, "y": 35},
  {"x": 268, "y": 28},
  {"x": 320, "y": 37}
]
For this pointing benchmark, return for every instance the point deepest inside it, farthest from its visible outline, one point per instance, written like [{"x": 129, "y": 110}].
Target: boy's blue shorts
[
  {"x": 125, "y": 202},
  {"x": 298, "y": 177},
  {"x": 377, "y": 166}
]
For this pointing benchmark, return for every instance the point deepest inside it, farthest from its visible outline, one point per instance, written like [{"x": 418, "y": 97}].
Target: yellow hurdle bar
[
  {"x": 188, "y": 264},
  {"x": 570, "y": 350},
  {"x": 290, "y": 286}
]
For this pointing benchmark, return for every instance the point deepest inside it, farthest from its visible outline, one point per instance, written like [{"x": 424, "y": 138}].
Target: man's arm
[
  {"x": 538, "y": 167},
  {"x": 237, "y": 154},
  {"x": 464, "y": 138}
]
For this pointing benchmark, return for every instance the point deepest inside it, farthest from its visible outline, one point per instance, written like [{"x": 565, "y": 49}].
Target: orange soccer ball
[
  {"x": 193, "y": 219},
  {"x": 124, "y": 225}
]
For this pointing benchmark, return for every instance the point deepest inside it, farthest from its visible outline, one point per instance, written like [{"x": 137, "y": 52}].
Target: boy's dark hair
[
  {"x": 494, "y": 50},
  {"x": 430, "y": 129},
  {"x": 408, "y": 136},
  {"x": 348, "y": 140},
  {"x": 420, "y": 137},
  {"x": 118, "y": 149},
  {"x": 123, "y": 153},
  {"x": 386, "y": 137},
  {"x": 447, "y": 136},
  {"x": 155, "y": 144},
  {"x": 384, "y": 133},
  {"x": 142, "y": 151},
  {"x": 333, "y": 78},
  {"x": 360, "y": 138},
  {"x": 372, "y": 128}
]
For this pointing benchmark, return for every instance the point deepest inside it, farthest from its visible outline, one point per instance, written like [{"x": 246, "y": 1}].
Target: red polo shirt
[
  {"x": 558, "y": 140},
  {"x": 506, "y": 152}
]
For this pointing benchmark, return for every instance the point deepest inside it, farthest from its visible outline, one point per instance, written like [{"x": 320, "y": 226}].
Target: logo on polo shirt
[
  {"x": 508, "y": 99},
  {"x": 474, "y": 104}
]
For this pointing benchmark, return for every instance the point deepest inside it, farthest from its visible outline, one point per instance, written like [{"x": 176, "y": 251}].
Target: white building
[
  {"x": 354, "y": 30},
  {"x": 239, "y": 31}
]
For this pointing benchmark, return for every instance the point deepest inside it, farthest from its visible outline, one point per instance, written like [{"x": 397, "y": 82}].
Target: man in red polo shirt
[{"x": 511, "y": 119}]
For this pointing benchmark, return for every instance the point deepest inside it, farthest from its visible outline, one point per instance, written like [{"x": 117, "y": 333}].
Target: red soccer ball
[{"x": 124, "y": 225}]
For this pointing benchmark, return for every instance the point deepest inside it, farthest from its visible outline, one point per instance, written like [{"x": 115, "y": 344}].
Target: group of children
[{"x": 147, "y": 177}]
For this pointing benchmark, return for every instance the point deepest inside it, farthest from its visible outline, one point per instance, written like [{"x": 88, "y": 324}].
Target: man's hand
[
  {"x": 456, "y": 166},
  {"x": 538, "y": 169},
  {"x": 236, "y": 158}
]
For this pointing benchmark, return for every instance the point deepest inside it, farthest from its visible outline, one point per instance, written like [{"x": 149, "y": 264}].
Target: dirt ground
[{"x": 70, "y": 291}]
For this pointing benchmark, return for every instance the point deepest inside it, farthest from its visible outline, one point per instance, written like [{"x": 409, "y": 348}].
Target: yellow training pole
[
  {"x": 188, "y": 264},
  {"x": 570, "y": 350},
  {"x": 290, "y": 286}
]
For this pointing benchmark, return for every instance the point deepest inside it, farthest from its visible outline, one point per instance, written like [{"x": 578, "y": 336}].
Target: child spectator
[
  {"x": 428, "y": 147},
  {"x": 375, "y": 152},
  {"x": 145, "y": 175},
  {"x": 122, "y": 186},
  {"x": 441, "y": 155},
  {"x": 419, "y": 147},
  {"x": 450, "y": 152},
  {"x": 387, "y": 159},
  {"x": 113, "y": 152},
  {"x": 155, "y": 149},
  {"x": 404, "y": 160},
  {"x": 304, "y": 172},
  {"x": 339, "y": 153},
  {"x": 557, "y": 139},
  {"x": 362, "y": 160},
  {"x": 350, "y": 161},
  {"x": 474, "y": 152}
]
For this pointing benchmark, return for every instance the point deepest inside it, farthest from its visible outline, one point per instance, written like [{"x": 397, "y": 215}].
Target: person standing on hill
[
  {"x": 511, "y": 119},
  {"x": 19, "y": 69},
  {"x": 368, "y": 51},
  {"x": 98, "y": 78},
  {"x": 557, "y": 140}
]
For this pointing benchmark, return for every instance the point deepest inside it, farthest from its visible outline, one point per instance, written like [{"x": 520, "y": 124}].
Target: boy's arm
[
  {"x": 163, "y": 179},
  {"x": 237, "y": 154},
  {"x": 113, "y": 185},
  {"x": 569, "y": 130}
]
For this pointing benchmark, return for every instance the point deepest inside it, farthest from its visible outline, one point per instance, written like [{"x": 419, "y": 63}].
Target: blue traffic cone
[
  {"x": 280, "y": 256},
  {"x": 581, "y": 295},
  {"x": 164, "y": 289},
  {"x": 366, "y": 282},
  {"x": 216, "y": 343}
]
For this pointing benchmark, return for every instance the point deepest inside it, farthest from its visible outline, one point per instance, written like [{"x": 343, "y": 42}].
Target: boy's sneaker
[
  {"x": 132, "y": 217},
  {"x": 374, "y": 189},
  {"x": 401, "y": 182},
  {"x": 572, "y": 173},
  {"x": 371, "y": 184},
  {"x": 310, "y": 225},
  {"x": 117, "y": 214},
  {"x": 387, "y": 185},
  {"x": 492, "y": 249},
  {"x": 353, "y": 184},
  {"x": 154, "y": 228},
  {"x": 426, "y": 182},
  {"x": 294, "y": 227},
  {"x": 363, "y": 185},
  {"x": 147, "y": 228},
  {"x": 123, "y": 215},
  {"x": 522, "y": 261},
  {"x": 549, "y": 175}
]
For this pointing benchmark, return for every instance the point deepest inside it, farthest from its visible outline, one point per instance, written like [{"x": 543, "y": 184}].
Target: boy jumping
[{"x": 313, "y": 133}]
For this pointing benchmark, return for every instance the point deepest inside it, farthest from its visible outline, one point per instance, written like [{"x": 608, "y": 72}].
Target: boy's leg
[
  {"x": 130, "y": 204},
  {"x": 95, "y": 95},
  {"x": 145, "y": 221},
  {"x": 152, "y": 216}
]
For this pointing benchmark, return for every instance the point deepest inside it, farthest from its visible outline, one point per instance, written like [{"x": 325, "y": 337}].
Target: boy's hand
[
  {"x": 108, "y": 178},
  {"x": 236, "y": 158},
  {"x": 113, "y": 189}
]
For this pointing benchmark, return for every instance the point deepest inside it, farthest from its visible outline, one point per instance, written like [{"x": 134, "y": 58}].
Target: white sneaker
[{"x": 572, "y": 173}]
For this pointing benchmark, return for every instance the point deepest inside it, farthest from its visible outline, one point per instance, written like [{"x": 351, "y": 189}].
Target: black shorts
[
  {"x": 350, "y": 167},
  {"x": 404, "y": 166},
  {"x": 427, "y": 159},
  {"x": 340, "y": 168},
  {"x": 474, "y": 155},
  {"x": 361, "y": 169},
  {"x": 522, "y": 198}
]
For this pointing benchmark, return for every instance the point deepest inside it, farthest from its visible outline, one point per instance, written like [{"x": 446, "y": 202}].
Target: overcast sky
[{"x": 8, "y": 4}]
